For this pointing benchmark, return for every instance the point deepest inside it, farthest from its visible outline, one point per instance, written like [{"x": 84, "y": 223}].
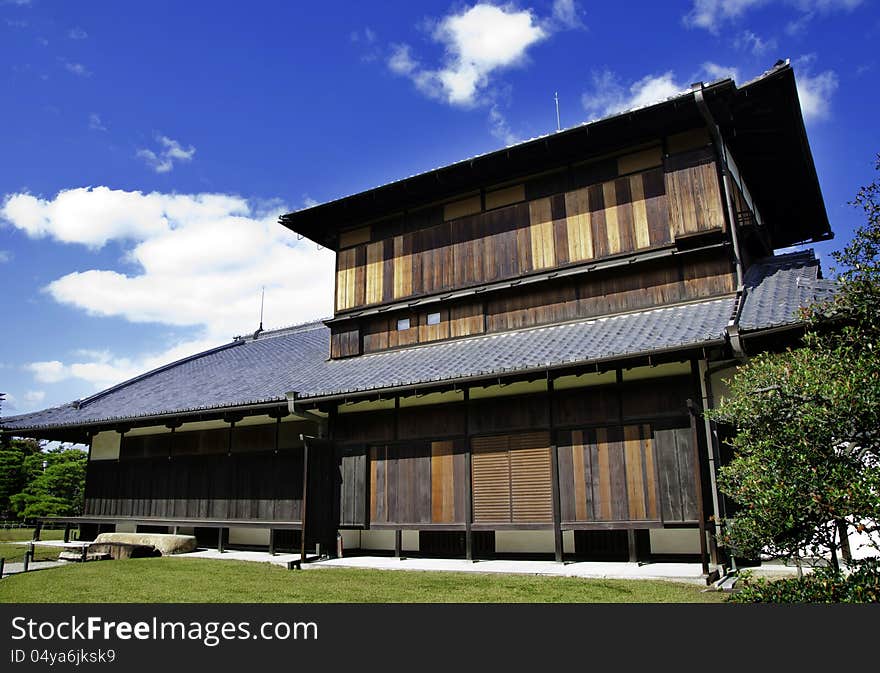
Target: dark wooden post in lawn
[
  {"x": 66, "y": 533},
  {"x": 37, "y": 529}
]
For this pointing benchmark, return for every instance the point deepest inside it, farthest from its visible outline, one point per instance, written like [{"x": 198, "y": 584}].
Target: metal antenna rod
[
  {"x": 262, "y": 299},
  {"x": 556, "y": 98}
]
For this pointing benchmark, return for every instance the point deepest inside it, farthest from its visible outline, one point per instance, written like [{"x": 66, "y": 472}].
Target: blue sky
[{"x": 148, "y": 147}]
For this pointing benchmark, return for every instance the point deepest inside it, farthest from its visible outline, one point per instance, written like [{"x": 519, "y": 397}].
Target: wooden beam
[{"x": 398, "y": 542}]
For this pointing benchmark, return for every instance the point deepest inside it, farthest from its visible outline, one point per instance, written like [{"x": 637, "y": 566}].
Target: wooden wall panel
[
  {"x": 250, "y": 485},
  {"x": 694, "y": 199},
  {"x": 577, "y": 218},
  {"x": 609, "y": 217},
  {"x": 442, "y": 482},
  {"x": 417, "y": 483},
  {"x": 608, "y": 474},
  {"x": 675, "y": 468},
  {"x": 543, "y": 246},
  {"x": 490, "y": 468}
]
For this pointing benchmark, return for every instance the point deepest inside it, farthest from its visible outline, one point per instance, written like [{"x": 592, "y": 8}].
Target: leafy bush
[{"x": 860, "y": 585}]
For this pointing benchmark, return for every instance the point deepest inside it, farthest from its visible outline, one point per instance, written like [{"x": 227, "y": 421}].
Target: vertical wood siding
[{"x": 609, "y": 217}]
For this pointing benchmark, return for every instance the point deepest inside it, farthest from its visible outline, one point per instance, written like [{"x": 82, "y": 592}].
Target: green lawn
[
  {"x": 14, "y": 553},
  {"x": 178, "y": 580}
]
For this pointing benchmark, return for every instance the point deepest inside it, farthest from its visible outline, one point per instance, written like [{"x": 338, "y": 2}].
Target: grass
[
  {"x": 14, "y": 553},
  {"x": 179, "y": 580}
]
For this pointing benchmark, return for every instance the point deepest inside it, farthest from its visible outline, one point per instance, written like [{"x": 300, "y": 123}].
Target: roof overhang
[{"x": 761, "y": 122}]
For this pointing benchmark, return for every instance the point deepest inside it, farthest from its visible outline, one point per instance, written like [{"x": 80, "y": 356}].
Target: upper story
[{"x": 665, "y": 204}]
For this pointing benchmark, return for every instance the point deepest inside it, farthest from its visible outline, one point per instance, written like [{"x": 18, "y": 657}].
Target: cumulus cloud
[
  {"x": 477, "y": 42},
  {"x": 609, "y": 96},
  {"x": 77, "y": 34},
  {"x": 711, "y": 15},
  {"x": 163, "y": 159},
  {"x": 5, "y": 256},
  {"x": 34, "y": 396},
  {"x": 815, "y": 90},
  {"x": 195, "y": 261}
]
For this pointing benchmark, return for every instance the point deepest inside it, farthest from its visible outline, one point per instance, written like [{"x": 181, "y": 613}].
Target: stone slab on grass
[{"x": 165, "y": 543}]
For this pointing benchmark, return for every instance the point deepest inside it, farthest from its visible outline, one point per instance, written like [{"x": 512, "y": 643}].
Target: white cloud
[
  {"x": 95, "y": 123},
  {"x": 5, "y": 256},
  {"x": 608, "y": 96},
  {"x": 712, "y": 14},
  {"x": 198, "y": 261},
  {"x": 567, "y": 14},
  {"x": 77, "y": 34},
  {"x": 170, "y": 151},
  {"x": 34, "y": 396},
  {"x": 77, "y": 69},
  {"x": 749, "y": 41},
  {"x": 814, "y": 90},
  {"x": 50, "y": 371},
  {"x": 500, "y": 128},
  {"x": 477, "y": 42}
]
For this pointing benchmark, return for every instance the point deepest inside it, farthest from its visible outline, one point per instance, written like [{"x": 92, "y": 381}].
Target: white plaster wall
[
  {"x": 568, "y": 541},
  {"x": 409, "y": 540},
  {"x": 377, "y": 539},
  {"x": 105, "y": 446},
  {"x": 126, "y": 528},
  {"x": 525, "y": 541},
  {"x": 678, "y": 541},
  {"x": 254, "y": 536},
  {"x": 351, "y": 539}
]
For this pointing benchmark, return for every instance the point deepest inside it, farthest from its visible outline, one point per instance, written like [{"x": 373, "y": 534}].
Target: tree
[
  {"x": 56, "y": 484},
  {"x": 806, "y": 465},
  {"x": 14, "y": 474}
]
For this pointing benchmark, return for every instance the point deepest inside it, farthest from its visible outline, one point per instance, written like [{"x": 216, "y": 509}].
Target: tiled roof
[
  {"x": 777, "y": 287},
  {"x": 252, "y": 371}
]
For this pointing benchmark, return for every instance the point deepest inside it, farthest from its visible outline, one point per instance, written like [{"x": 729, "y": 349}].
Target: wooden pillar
[
  {"x": 698, "y": 478},
  {"x": 305, "y": 501},
  {"x": 558, "y": 545},
  {"x": 37, "y": 529},
  {"x": 28, "y": 555},
  {"x": 66, "y": 533},
  {"x": 398, "y": 543},
  {"x": 468, "y": 481},
  {"x": 2, "y": 563},
  {"x": 632, "y": 544},
  {"x": 272, "y": 541},
  {"x": 220, "y": 539}
]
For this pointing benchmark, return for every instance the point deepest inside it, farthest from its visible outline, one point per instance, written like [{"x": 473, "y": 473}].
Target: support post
[
  {"x": 305, "y": 492},
  {"x": 2, "y": 563},
  {"x": 272, "y": 541},
  {"x": 632, "y": 545},
  {"x": 176, "y": 530},
  {"x": 558, "y": 546},
  {"x": 220, "y": 540},
  {"x": 37, "y": 529},
  {"x": 398, "y": 543},
  {"x": 704, "y": 557},
  {"x": 468, "y": 479},
  {"x": 66, "y": 533},
  {"x": 28, "y": 555},
  {"x": 83, "y": 553}
]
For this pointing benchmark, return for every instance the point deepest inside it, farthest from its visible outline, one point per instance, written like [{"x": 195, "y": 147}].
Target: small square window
[
  {"x": 402, "y": 324},
  {"x": 434, "y": 318}
]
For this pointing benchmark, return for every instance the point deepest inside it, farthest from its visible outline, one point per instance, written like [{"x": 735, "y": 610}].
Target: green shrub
[{"x": 860, "y": 584}]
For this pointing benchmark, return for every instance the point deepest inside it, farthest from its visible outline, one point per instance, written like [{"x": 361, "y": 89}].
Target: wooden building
[{"x": 522, "y": 348}]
